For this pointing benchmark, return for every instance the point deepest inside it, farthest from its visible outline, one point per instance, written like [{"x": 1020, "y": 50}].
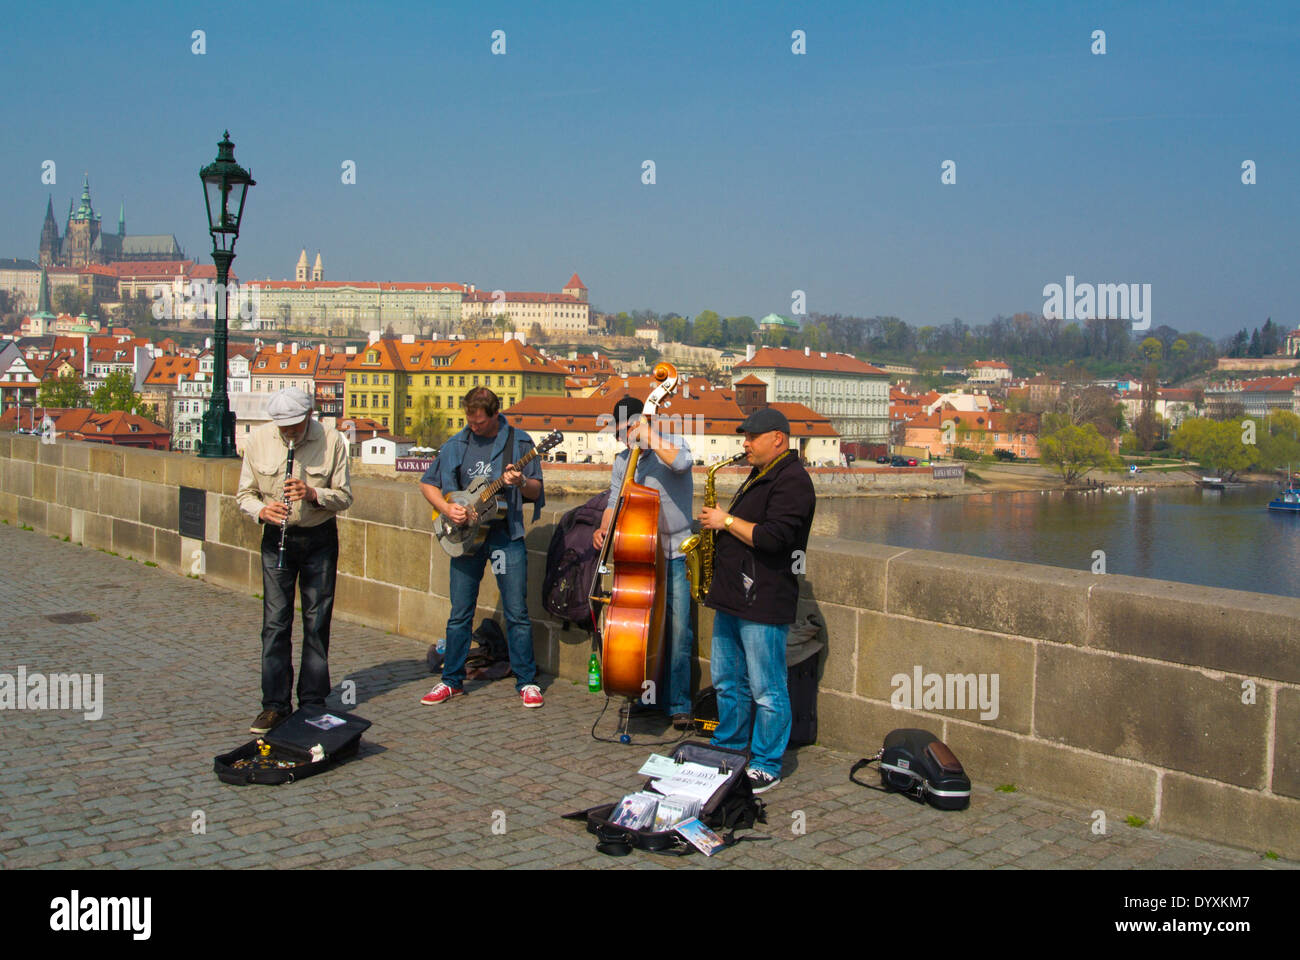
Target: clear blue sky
[{"x": 774, "y": 172}]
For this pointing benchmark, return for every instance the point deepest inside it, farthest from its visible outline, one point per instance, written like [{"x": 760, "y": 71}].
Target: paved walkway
[{"x": 179, "y": 660}]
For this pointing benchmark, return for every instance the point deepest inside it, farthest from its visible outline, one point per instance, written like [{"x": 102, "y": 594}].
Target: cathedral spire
[
  {"x": 121, "y": 219},
  {"x": 43, "y": 303}
]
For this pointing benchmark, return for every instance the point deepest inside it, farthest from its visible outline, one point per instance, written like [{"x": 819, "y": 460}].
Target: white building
[{"x": 852, "y": 394}]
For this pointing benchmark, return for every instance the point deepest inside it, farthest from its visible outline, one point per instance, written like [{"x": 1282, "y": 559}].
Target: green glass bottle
[{"x": 593, "y": 674}]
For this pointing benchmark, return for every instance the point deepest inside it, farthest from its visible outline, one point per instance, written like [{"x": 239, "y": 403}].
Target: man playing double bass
[
  {"x": 669, "y": 472},
  {"x": 754, "y": 595}
]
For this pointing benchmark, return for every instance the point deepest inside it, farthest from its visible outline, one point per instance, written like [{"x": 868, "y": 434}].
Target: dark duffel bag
[
  {"x": 919, "y": 765},
  {"x": 731, "y": 807},
  {"x": 307, "y": 743}
]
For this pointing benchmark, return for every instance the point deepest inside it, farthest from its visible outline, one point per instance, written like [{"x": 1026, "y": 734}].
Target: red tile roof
[
  {"x": 767, "y": 357},
  {"x": 574, "y": 282}
]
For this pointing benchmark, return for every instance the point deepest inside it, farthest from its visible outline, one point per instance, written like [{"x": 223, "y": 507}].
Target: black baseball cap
[{"x": 761, "y": 421}]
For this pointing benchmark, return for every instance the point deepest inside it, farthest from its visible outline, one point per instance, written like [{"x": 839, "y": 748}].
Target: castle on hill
[{"x": 85, "y": 243}]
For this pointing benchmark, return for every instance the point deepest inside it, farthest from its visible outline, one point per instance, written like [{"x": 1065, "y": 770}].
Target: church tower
[
  {"x": 121, "y": 220},
  {"x": 83, "y": 231},
  {"x": 300, "y": 272},
  {"x": 318, "y": 271},
  {"x": 49, "y": 237}
]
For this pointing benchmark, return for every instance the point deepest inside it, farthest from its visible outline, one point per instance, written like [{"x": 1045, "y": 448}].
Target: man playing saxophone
[{"x": 669, "y": 472}]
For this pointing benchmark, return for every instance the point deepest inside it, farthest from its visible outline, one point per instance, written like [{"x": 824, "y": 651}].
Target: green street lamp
[{"x": 225, "y": 186}]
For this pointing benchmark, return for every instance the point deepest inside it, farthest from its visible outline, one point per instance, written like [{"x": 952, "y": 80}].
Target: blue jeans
[
  {"x": 512, "y": 581},
  {"x": 748, "y": 666},
  {"x": 679, "y": 642}
]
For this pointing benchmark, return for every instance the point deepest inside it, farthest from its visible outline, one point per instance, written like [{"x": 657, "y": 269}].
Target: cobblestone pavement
[{"x": 179, "y": 659}]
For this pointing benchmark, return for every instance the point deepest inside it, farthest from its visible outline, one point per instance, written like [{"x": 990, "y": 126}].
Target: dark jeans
[{"x": 311, "y": 557}]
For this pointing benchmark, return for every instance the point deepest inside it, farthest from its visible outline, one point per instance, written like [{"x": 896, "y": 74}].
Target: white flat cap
[{"x": 288, "y": 406}]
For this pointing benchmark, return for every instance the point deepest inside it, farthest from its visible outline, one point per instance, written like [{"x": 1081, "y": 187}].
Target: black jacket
[{"x": 758, "y": 583}]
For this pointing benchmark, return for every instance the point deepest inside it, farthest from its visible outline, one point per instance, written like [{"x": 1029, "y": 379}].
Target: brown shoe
[{"x": 267, "y": 720}]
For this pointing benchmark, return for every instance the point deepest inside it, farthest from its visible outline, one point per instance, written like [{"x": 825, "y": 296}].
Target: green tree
[
  {"x": 1216, "y": 446},
  {"x": 66, "y": 392},
  {"x": 1279, "y": 441},
  {"x": 1151, "y": 349},
  {"x": 1076, "y": 450},
  {"x": 117, "y": 392},
  {"x": 429, "y": 430}
]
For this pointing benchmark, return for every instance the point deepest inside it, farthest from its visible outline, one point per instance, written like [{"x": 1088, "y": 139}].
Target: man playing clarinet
[{"x": 300, "y": 544}]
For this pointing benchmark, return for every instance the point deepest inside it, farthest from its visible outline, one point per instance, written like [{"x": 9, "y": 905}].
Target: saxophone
[{"x": 698, "y": 547}]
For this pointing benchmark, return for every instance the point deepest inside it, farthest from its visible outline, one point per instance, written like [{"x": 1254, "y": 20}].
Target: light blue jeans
[
  {"x": 750, "y": 676},
  {"x": 679, "y": 642}
]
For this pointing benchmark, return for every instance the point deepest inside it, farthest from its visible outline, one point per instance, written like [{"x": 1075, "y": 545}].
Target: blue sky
[{"x": 774, "y": 171}]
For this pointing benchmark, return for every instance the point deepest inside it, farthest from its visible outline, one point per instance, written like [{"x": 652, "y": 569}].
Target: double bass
[{"x": 629, "y": 591}]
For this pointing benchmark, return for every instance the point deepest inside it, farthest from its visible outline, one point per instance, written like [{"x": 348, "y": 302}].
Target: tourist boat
[
  {"x": 1218, "y": 483},
  {"x": 1289, "y": 502}
]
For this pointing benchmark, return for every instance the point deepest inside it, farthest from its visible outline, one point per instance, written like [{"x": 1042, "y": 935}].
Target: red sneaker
[
  {"x": 442, "y": 693},
  {"x": 531, "y": 694}
]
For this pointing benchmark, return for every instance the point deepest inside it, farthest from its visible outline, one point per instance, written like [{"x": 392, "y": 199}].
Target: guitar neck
[{"x": 492, "y": 489}]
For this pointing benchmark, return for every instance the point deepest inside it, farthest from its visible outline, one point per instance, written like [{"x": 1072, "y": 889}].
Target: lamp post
[{"x": 225, "y": 186}]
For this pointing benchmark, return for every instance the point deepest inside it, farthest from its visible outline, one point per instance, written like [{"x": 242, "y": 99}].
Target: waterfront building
[
  {"x": 852, "y": 394},
  {"x": 946, "y": 428}
]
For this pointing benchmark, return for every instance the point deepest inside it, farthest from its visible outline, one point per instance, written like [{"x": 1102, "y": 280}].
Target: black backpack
[{"x": 571, "y": 564}]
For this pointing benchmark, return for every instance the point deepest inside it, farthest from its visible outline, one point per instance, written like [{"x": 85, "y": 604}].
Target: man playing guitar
[{"x": 487, "y": 447}]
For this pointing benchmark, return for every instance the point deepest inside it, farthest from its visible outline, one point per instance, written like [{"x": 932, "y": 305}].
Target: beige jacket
[{"x": 320, "y": 461}]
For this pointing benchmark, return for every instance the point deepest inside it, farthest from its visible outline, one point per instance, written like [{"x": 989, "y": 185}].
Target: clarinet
[{"x": 284, "y": 526}]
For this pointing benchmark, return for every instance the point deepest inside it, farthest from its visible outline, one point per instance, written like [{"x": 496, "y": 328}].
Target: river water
[{"x": 1214, "y": 538}]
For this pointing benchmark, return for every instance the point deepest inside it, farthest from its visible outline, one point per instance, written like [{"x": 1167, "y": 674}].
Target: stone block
[
  {"x": 58, "y": 520},
  {"x": 119, "y": 498},
  {"x": 212, "y": 517},
  {"x": 1286, "y": 740},
  {"x": 1245, "y": 818},
  {"x": 32, "y": 513},
  {"x": 994, "y": 758},
  {"x": 232, "y": 567},
  {"x": 78, "y": 490},
  {"x": 185, "y": 470},
  {"x": 76, "y": 454},
  {"x": 23, "y": 447},
  {"x": 191, "y": 556},
  {"x": 234, "y": 527},
  {"x": 5, "y": 446},
  {"x": 19, "y": 477},
  {"x": 966, "y": 660},
  {"x": 996, "y": 595},
  {"x": 160, "y": 506},
  {"x": 378, "y": 502},
  {"x": 422, "y": 615},
  {"x": 106, "y": 459},
  {"x": 1170, "y": 716},
  {"x": 133, "y": 540},
  {"x": 9, "y": 506},
  {"x": 849, "y": 573},
  {"x": 96, "y": 530},
  {"x": 704, "y": 631},
  {"x": 396, "y": 556},
  {"x": 365, "y": 601},
  {"x": 45, "y": 480},
  {"x": 50, "y": 454},
  {"x": 1232, "y": 630},
  {"x": 167, "y": 550},
  {"x": 352, "y": 546},
  {"x": 439, "y": 570},
  {"x": 223, "y": 476},
  {"x": 859, "y": 726},
  {"x": 140, "y": 464},
  {"x": 841, "y": 639},
  {"x": 572, "y": 651}
]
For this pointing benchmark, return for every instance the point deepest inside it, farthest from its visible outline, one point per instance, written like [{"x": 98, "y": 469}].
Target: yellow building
[{"x": 397, "y": 382}]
